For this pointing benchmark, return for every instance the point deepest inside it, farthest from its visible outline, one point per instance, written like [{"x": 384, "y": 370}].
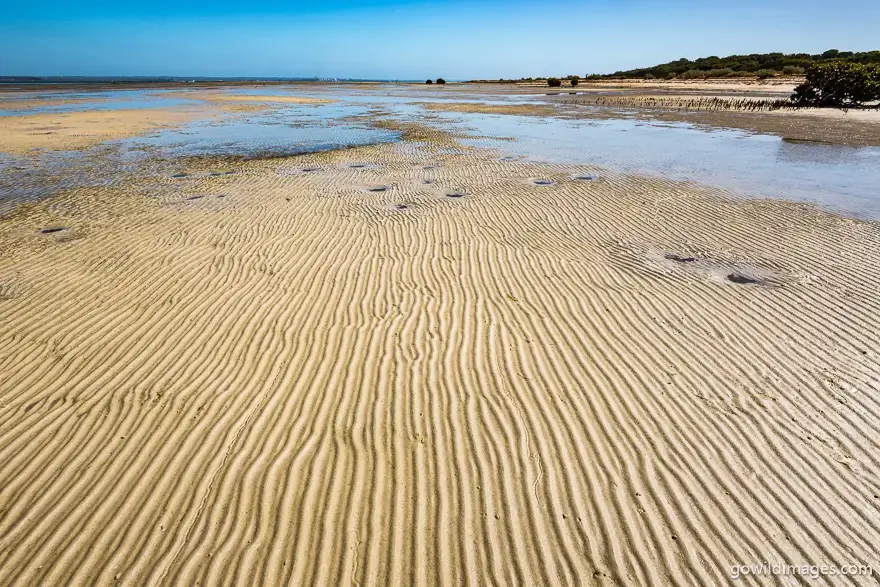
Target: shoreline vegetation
[
  {"x": 753, "y": 66},
  {"x": 833, "y": 79}
]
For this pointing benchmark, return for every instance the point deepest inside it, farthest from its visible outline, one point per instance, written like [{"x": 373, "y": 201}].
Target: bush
[
  {"x": 693, "y": 74},
  {"x": 430, "y": 81},
  {"x": 775, "y": 62},
  {"x": 553, "y": 82},
  {"x": 793, "y": 70},
  {"x": 722, "y": 72},
  {"x": 650, "y": 76},
  {"x": 765, "y": 73},
  {"x": 839, "y": 83},
  {"x": 441, "y": 81},
  {"x": 575, "y": 80}
]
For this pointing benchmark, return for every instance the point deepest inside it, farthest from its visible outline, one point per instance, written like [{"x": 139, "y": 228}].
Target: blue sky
[{"x": 406, "y": 39}]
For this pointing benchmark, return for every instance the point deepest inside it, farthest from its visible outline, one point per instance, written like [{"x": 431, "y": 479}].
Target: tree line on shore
[
  {"x": 841, "y": 79},
  {"x": 760, "y": 65},
  {"x": 754, "y": 65}
]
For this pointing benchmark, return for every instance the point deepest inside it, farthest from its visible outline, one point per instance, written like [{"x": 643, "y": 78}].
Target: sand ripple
[{"x": 302, "y": 384}]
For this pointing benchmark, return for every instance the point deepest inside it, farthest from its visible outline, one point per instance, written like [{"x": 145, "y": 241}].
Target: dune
[{"x": 279, "y": 376}]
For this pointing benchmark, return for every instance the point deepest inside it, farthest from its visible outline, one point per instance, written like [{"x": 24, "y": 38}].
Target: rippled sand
[{"x": 283, "y": 375}]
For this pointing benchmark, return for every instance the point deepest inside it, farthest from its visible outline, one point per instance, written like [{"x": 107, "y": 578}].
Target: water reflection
[
  {"x": 816, "y": 153},
  {"x": 842, "y": 179}
]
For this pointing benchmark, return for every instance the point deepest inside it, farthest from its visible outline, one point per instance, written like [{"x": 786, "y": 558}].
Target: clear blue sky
[{"x": 410, "y": 39}]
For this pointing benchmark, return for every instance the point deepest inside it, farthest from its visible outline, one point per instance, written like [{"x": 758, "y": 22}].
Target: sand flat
[
  {"x": 31, "y": 103},
  {"x": 784, "y": 85},
  {"x": 76, "y": 130},
  {"x": 303, "y": 383},
  {"x": 276, "y": 98}
]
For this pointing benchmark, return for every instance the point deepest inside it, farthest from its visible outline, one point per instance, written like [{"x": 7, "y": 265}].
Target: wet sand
[
  {"x": 509, "y": 109},
  {"x": 651, "y": 99},
  {"x": 225, "y": 97},
  {"x": 513, "y": 374},
  {"x": 858, "y": 128},
  {"x": 687, "y": 101},
  {"x": 853, "y": 129}
]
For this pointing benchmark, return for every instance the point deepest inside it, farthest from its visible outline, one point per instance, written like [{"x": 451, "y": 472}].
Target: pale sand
[
  {"x": 223, "y": 97},
  {"x": 30, "y": 103},
  {"x": 771, "y": 86},
  {"x": 301, "y": 384},
  {"x": 77, "y": 130}
]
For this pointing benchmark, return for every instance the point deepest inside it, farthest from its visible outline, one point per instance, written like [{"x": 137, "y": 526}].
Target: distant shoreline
[
  {"x": 135, "y": 84},
  {"x": 718, "y": 104}
]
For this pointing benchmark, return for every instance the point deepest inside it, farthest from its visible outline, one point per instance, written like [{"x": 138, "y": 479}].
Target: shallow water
[
  {"x": 842, "y": 179},
  {"x": 278, "y": 132},
  {"x": 105, "y": 100},
  {"x": 282, "y": 130},
  {"x": 839, "y": 178}
]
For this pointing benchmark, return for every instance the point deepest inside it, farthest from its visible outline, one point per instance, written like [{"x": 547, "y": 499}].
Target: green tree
[
  {"x": 839, "y": 83},
  {"x": 554, "y": 82},
  {"x": 441, "y": 81},
  {"x": 742, "y": 65}
]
